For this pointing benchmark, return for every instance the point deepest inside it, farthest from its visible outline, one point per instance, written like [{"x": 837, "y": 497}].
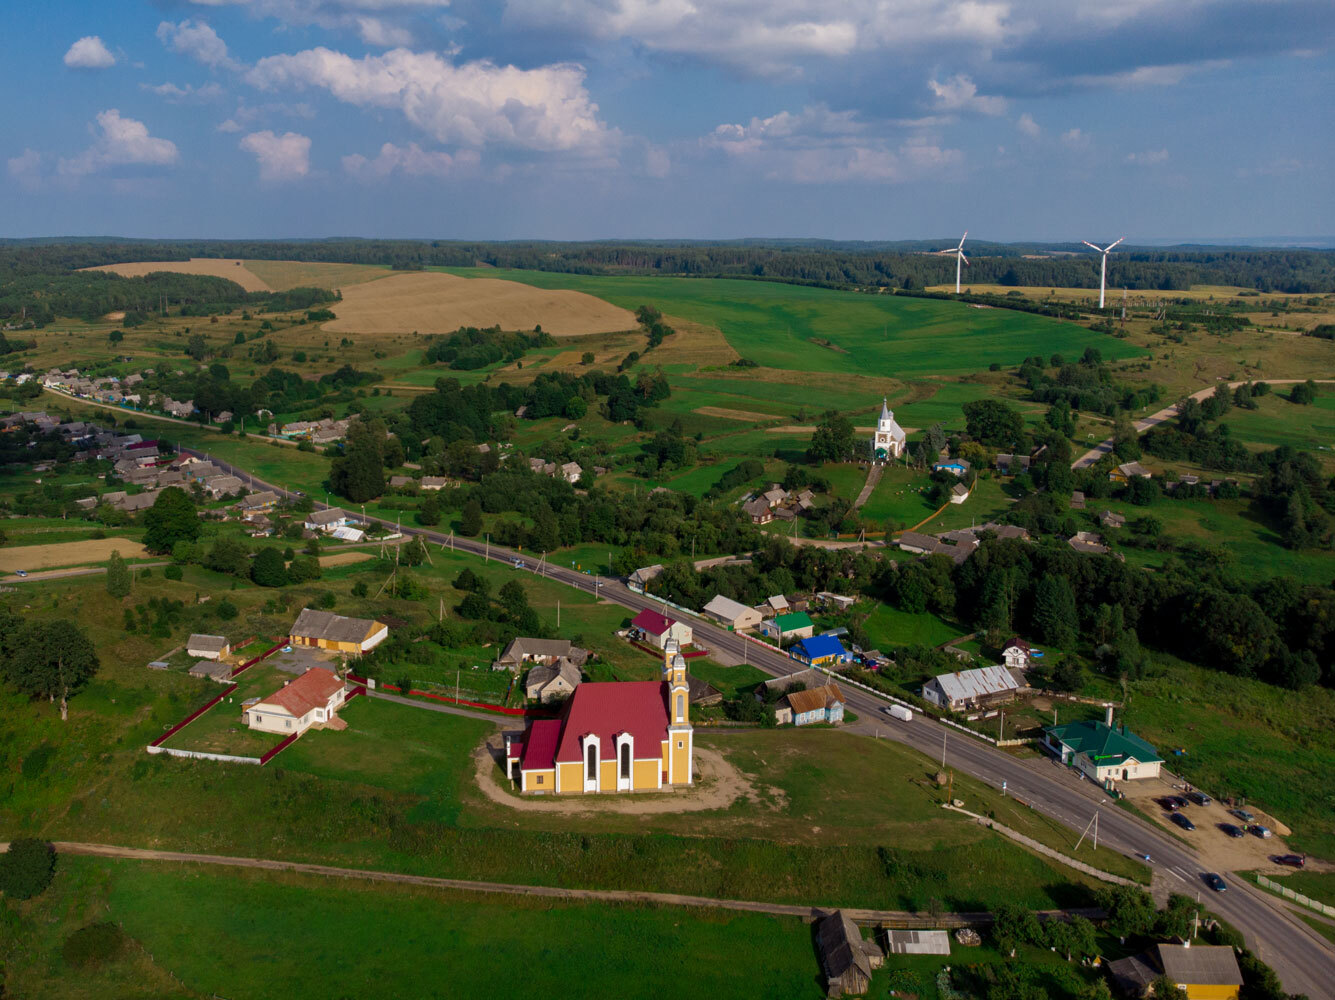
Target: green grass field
[{"x": 779, "y": 325}]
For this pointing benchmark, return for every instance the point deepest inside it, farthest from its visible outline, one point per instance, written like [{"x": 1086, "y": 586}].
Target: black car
[
  {"x": 1214, "y": 882},
  {"x": 1292, "y": 860},
  {"x": 1182, "y": 821},
  {"x": 1233, "y": 831},
  {"x": 1200, "y": 798}
]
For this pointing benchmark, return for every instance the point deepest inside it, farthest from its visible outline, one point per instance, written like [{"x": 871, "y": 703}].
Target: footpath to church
[{"x": 873, "y": 477}]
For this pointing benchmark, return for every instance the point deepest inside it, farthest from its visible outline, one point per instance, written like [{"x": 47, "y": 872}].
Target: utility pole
[
  {"x": 558, "y": 612},
  {"x": 943, "y": 747},
  {"x": 486, "y": 553},
  {"x": 1001, "y": 727}
]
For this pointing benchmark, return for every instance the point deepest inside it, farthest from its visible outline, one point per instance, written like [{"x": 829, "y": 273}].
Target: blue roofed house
[
  {"x": 1101, "y": 751},
  {"x": 958, "y": 466},
  {"x": 820, "y": 651}
]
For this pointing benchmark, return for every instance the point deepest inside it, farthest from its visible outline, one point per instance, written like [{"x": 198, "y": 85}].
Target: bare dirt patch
[
  {"x": 750, "y": 416},
  {"x": 281, "y": 275},
  {"x": 232, "y": 270},
  {"x": 343, "y": 558},
  {"x": 718, "y": 784},
  {"x": 432, "y": 302},
  {"x": 92, "y": 550}
]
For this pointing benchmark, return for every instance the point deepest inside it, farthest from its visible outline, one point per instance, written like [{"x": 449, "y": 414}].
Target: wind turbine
[
  {"x": 1103, "y": 268},
  {"x": 958, "y": 253}
]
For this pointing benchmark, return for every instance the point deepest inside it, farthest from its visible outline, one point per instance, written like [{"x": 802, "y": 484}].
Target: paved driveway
[{"x": 302, "y": 658}]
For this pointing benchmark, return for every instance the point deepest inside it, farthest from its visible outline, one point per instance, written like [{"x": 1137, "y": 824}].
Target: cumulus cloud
[
  {"x": 1075, "y": 139},
  {"x": 375, "y": 31},
  {"x": 187, "y": 94},
  {"x": 26, "y": 168},
  {"x": 412, "y": 160},
  {"x": 89, "y": 52},
  {"x": 120, "y": 142},
  {"x": 960, "y": 93},
  {"x": 1028, "y": 126},
  {"x": 469, "y": 104},
  {"x": 1149, "y": 158},
  {"x": 818, "y": 145},
  {"x": 285, "y": 157},
  {"x": 198, "y": 41}
]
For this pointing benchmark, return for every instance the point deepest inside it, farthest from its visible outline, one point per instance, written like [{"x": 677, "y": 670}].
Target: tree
[
  {"x": 230, "y": 555},
  {"x": 268, "y": 570},
  {"x": 832, "y": 440},
  {"x": 576, "y": 408},
  {"x": 27, "y": 868},
  {"x": 586, "y": 358},
  {"x": 197, "y": 347},
  {"x": 429, "y": 512},
  {"x": 1303, "y": 393},
  {"x": 226, "y": 610},
  {"x": 303, "y": 569},
  {"x": 1130, "y": 910},
  {"x": 471, "y": 522},
  {"x": 171, "y": 519},
  {"x": 1164, "y": 988},
  {"x": 116, "y": 336},
  {"x": 513, "y": 597},
  {"x": 1055, "y": 618},
  {"x": 993, "y": 422},
  {"x": 413, "y": 553},
  {"x": 118, "y": 575},
  {"x": 51, "y": 660}
]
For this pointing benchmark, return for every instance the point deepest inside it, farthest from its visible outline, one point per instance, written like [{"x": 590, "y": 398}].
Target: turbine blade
[
  {"x": 1113, "y": 244},
  {"x": 963, "y": 238},
  {"x": 1092, "y": 246},
  {"x": 964, "y": 258}
]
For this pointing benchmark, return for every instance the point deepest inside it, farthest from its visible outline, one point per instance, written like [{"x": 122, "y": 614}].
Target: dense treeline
[
  {"x": 468, "y": 348},
  {"x": 901, "y": 266},
  {"x": 37, "y": 298}
]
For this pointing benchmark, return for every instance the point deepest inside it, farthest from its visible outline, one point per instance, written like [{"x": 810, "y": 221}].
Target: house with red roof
[
  {"x": 626, "y": 736},
  {"x": 313, "y": 699},
  {"x": 660, "y": 629}
]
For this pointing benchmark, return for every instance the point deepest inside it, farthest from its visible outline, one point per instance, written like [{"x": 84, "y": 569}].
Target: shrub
[
  {"x": 173, "y": 573},
  {"x": 94, "y": 945},
  {"x": 359, "y": 589},
  {"x": 27, "y": 868},
  {"x": 226, "y": 610}
]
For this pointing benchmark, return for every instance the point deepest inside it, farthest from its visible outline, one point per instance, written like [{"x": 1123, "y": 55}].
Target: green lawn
[
  {"x": 1316, "y": 885},
  {"x": 779, "y": 325},
  {"x": 889, "y": 627},
  {"x": 1276, "y": 421}
]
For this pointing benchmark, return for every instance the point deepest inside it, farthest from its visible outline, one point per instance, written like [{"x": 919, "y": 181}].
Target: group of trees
[
  {"x": 469, "y": 348},
  {"x": 51, "y": 659},
  {"x": 1087, "y": 384}
]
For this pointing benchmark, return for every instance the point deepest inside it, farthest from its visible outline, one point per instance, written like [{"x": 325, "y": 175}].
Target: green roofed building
[
  {"x": 796, "y": 625},
  {"x": 1102, "y": 752}
]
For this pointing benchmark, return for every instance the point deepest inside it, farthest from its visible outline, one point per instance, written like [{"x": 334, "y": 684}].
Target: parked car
[
  {"x": 1214, "y": 882},
  {"x": 1261, "y": 831},
  {"x": 1181, "y": 801},
  {"x": 1292, "y": 860},
  {"x": 1243, "y": 815},
  {"x": 1231, "y": 830},
  {"x": 21, "y": 572},
  {"x": 1183, "y": 822},
  {"x": 1168, "y": 802},
  {"x": 1200, "y": 798}
]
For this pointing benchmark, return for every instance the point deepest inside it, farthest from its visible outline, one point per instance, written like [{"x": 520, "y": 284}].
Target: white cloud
[
  {"x": 121, "y": 142},
  {"x": 470, "y": 104},
  {"x": 412, "y": 160},
  {"x": 198, "y": 41},
  {"x": 283, "y": 157},
  {"x": 1147, "y": 76},
  {"x": 960, "y": 93},
  {"x": 89, "y": 52},
  {"x": 1075, "y": 138},
  {"x": 230, "y": 125},
  {"x": 181, "y": 95},
  {"x": 817, "y": 146},
  {"x": 26, "y": 168},
  {"x": 1149, "y": 158},
  {"x": 377, "y": 32},
  {"x": 1028, "y": 126}
]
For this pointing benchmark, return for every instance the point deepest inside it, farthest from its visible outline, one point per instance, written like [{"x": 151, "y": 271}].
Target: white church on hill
[{"x": 888, "y": 442}]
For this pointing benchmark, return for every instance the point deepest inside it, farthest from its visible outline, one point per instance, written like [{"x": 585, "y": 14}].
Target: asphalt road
[{"x": 1303, "y": 959}]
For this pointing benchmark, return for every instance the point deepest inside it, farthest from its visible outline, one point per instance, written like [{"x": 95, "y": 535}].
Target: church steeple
[{"x": 679, "y": 693}]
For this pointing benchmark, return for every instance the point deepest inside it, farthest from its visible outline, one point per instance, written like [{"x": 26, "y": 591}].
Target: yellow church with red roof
[{"x": 619, "y": 736}]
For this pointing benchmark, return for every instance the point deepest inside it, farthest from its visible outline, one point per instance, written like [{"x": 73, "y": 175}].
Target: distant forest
[{"x": 898, "y": 266}]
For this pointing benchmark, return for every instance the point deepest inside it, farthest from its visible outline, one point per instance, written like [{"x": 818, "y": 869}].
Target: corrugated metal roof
[{"x": 977, "y": 683}]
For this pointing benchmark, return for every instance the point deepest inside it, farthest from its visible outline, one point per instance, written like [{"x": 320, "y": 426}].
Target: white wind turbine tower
[
  {"x": 1103, "y": 268},
  {"x": 958, "y": 253}
]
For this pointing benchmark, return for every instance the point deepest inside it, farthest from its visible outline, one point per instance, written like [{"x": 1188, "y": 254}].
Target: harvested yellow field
[
  {"x": 343, "y": 558},
  {"x": 281, "y": 275},
  {"x": 750, "y": 416},
  {"x": 93, "y": 550},
  {"x": 232, "y": 270},
  {"x": 431, "y": 302}
]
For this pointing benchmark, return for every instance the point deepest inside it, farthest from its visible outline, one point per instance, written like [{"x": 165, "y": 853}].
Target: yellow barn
[
  {"x": 326, "y": 630},
  {"x": 630, "y": 736}
]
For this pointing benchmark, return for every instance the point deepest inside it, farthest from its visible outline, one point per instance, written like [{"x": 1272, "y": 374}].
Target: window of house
[
  {"x": 625, "y": 760},
  {"x": 681, "y": 744},
  {"x": 539, "y": 780},
  {"x": 681, "y": 707},
  {"x": 288, "y": 723},
  {"x": 591, "y": 756}
]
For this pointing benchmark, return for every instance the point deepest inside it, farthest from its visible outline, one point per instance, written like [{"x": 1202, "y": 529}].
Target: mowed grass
[
  {"x": 889, "y": 627},
  {"x": 1276, "y": 421},
  {"x": 782, "y": 326},
  {"x": 1315, "y": 885}
]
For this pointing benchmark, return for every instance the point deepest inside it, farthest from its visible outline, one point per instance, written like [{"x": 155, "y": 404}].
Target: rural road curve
[
  {"x": 509, "y": 888},
  {"x": 1303, "y": 959},
  {"x": 1168, "y": 412}
]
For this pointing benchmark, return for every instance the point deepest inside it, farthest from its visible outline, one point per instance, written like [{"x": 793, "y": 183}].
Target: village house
[
  {"x": 214, "y": 670},
  {"x": 1088, "y": 543},
  {"x": 326, "y": 630},
  {"x": 1128, "y": 471},
  {"x": 661, "y": 630},
  {"x": 981, "y": 687},
  {"x": 522, "y": 650},
  {"x": 758, "y": 510},
  {"x": 817, "y": 704},
  {"x": 775, "y": 604},
  {"x": 326, "y": 521},
  {"x": 959, "y": 493},
  {"x": 1015, "y": 654},
  {"x": 207, "y": 647},
  {"x": 399, "y": 482},
  {"x": 1203, "y": 971},
  {"x": 140, "y": 501},
  {"x": 846, "y": 958},
  {"x": 221, "y": 486},
  {"x": 1109, "y": 519},
  {"x": 732, "y": 614},
  {"x": 955, "y": 466},
  {"x": 1009, "y": 465},
  {"x": 820, "y": 651},
  {"x": 258, "y": 503},
  {"x": 313, "y": 699},
  {"x": 546, "y": 682},
  {"x": 642, "y": 577},
  {"x": 1102, "y": 752},
  {"x": 809, "y": 678},
  {"x": 571, "y": 472},
  {"x": 434, "y": 482},
  {"x": 617, "y": 736},
  {"x": 794, "y": 625},
  {"x": 1077, "y": 500}
]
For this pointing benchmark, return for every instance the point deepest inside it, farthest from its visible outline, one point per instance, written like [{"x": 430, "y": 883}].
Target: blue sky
[{"x": 585, "y": 119}]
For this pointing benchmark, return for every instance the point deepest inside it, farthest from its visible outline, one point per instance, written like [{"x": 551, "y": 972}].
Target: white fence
[
  {"x": 1297, "y": 897},
  {"x": 201, "y": 755}
]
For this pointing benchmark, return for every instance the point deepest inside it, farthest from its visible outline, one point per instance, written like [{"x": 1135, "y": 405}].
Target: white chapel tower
[{"x": 888, "y": 442}]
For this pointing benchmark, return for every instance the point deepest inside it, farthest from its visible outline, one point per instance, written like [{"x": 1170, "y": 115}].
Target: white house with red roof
[
  {"x": 629, "y": 736},
  {"x": 660, "y": 629},
  {"x": 313, "y": 699}
]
